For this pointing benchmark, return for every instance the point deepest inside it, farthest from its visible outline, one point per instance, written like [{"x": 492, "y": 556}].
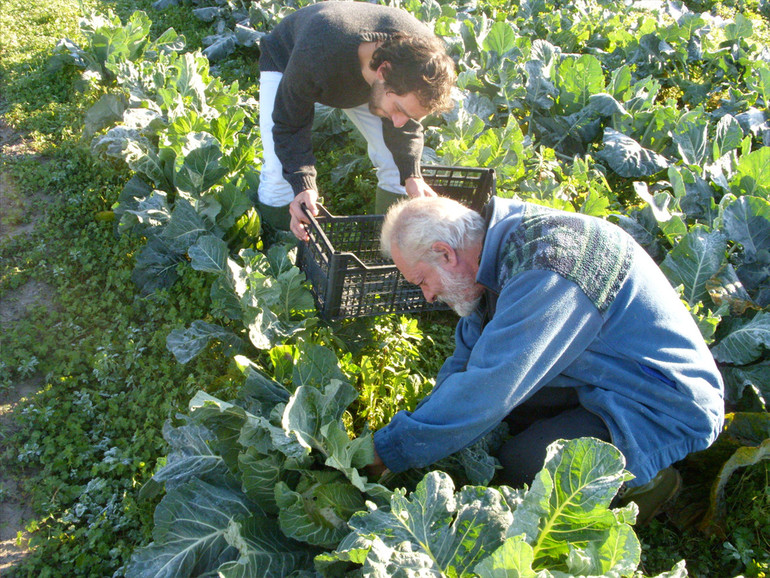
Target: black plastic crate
[
  {"x": 471, "y": 186},
  {"x": 349, "y": 276}
]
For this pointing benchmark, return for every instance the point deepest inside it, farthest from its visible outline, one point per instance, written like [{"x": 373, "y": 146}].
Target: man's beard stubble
[{"x": 375, "y": 97}]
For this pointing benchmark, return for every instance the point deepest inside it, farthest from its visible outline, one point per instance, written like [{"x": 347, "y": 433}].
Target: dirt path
[{"x": 16, "y": 218}]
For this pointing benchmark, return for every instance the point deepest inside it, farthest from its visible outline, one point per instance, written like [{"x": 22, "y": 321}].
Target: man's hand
[
  {"x": 298, "y": 218},
  {"x": 418, "y": 188},
  {"x": 377, "y": 467}
]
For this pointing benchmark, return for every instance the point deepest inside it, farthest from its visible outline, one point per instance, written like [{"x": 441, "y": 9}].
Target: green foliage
[
  {"x": 281, "y": 453},
  {"x": 743, "y": 443},
  {"x": 183, "y": 133},
  {"x": 385, "y": 372},
  {"x": 562, "y": 523},
  {"x": 656, "y": 121}
]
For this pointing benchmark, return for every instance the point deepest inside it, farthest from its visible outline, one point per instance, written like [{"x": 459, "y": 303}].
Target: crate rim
[{"x": 328, "y": 245}]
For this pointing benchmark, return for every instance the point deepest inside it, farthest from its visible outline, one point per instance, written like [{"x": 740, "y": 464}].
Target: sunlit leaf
[
  {"x": 746, "y": 342},
  {"x": 628, "y": 158},
  {"x": 695, "y": 260},
  {"x": 189, "y": 538}
]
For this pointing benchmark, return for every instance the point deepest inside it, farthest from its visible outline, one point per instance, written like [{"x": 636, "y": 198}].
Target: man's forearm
[{"x": 294, "y": 150}]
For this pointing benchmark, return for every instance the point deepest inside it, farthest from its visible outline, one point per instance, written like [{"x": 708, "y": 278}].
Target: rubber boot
[
  {"x": 384, "y": 200},
  {"x": 652, "y": 496},
  {"x": 275, "y": 224}
]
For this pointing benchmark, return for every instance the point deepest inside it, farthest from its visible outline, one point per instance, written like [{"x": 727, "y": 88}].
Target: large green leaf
[
  {"x": 501, "y": 38},
  {"x": 740, "y": 28},
  {"x": 659, "y": 203},
  {"x": 318, "y": 509},
  {"x": 265, "y": 552},
  {"x": 227, "y": 125},
  {"x": 226, "y": 420},
  {"x": 743, "y": 456},
  {"x": 310, "y": 409},
  {"x": 135, "y": 191},
  {"x": 348, "y": 456},
  {"x": 156, "y": 266},
  {"x": 746, "y": 342},
  {"x": 755, "y": 376},
  {"x": 260, "y": 393},
  {"x": 745, "y": 441},
  {"x": 107, "y": 111},
  {"x": 567, "y": 510},
  {"x": 752, "y": 175},
  {"x": 541, "y": 92},
  {"x": 747, "y": 221},
  {"x": 142, "y": 209},
  {"x": 186, "y": 132},
  {"x": 577, "y": 80},
  {"x": 149, "y": 163},
  {"x": 433, "y": 531},
  {"x": 184, "y": 227},
  {"x": 192, "y": 524},
  {"x": 234, "y": 202},
  {"x": 241, "y": 157},
  {"x": 695, "y": 260},
  {"x": 606, "y": 105},
  {"x": 200, "y": 170},
  {"x": 190, "y": 456},
  {"x": 628, "y": 158},
  {"x": 691, "y": 137},
  {"x": 294, "y": 298},
  {"x": 316, "y": 365},
  {"x": 209, "y": 254},
  {"x": 759, "y": 80},
  {"x": 259, "y": 474},
  {"x": 513, "y": 559},
  {"x": 265, "y": 329},
  {"x": 694, "y": 193},
  {"x": 727, "y": 138},
  {"x": 260, "y": 433},
  {"x": 185, "y": 344},
  {"x": 188, "y": 79},
  {"x": 266, "y": 399}
]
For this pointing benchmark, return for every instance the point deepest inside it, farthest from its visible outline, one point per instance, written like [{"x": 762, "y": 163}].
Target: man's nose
[
  {"x": 399, "y": 119},
  {"x": 429, "y": 295}
]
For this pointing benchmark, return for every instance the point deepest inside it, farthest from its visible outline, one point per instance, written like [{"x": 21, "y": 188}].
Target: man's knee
[{"x": 523, "y": 456}]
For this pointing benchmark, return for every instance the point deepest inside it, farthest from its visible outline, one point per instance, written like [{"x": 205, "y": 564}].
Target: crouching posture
[{"x": 568, "y": 329}]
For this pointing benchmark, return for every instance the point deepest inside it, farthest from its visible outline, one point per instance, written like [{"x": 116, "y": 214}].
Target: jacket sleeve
[
  {"x": 542, "y": 323},
  {"x": 293, "y": 115},
  {"x": 406, "y": 144}
]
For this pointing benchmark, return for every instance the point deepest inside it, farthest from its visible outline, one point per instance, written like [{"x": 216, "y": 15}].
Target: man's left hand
[{"x": 418, "y": 188}]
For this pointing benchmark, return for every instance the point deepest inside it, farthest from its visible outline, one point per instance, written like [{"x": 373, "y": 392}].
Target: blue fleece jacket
[{"x": 573, "y": 302}]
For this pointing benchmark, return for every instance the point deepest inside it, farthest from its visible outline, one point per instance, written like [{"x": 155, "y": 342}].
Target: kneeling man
[{"x": 568, "y": 329}]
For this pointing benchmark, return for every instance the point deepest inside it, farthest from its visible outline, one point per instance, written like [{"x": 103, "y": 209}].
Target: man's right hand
[
  {"x": 377, "y": 467},
  {"x": 308, "y": 197}
]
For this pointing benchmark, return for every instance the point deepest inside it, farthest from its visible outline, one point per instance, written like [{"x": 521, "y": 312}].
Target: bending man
[
  {"x": 383, "y": 67},
  {"x": 568, "y": 329}
]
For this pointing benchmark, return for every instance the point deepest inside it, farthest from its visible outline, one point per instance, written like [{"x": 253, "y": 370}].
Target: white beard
[{"x": 460, "y": 294}]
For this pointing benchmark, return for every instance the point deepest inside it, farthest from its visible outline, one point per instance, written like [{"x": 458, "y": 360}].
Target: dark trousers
[{"x": 550, "y": 414}]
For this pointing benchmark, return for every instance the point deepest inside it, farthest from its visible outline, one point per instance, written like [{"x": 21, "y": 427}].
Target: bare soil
[{"x": 18, "y": 214}]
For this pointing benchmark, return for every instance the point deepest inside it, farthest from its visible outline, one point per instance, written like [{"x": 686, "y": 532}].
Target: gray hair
[{"x": 414, "y": 225}]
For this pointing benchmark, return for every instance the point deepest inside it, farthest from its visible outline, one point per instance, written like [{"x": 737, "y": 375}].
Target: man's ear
[
  {"x": 447, "y": 256},
  {"x": 382, "y": 70}
]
